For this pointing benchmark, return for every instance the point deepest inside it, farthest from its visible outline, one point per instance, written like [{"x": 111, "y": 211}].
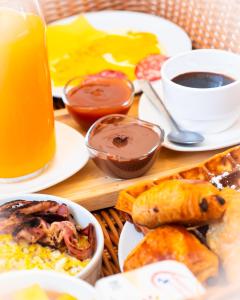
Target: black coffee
[{"x": 202, "y": 80}]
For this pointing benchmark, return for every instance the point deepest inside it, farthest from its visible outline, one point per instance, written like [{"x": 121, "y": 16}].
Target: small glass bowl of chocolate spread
[{"x": 124, "y": 147}]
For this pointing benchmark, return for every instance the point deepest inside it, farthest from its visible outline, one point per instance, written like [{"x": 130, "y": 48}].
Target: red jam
[{"x": 95, "y": 98}]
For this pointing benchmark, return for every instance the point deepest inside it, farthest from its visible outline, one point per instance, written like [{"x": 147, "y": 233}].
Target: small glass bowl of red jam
[
  {"x": 91, "y": 97},
  {"x": 124, "y": 147}
]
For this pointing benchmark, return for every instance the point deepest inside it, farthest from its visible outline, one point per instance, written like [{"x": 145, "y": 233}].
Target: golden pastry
[
  {"x": 174, "y": 243},
  {"x": 221, "y": 169},
  {"x": 178, "y": 201},
  {"x": 126, "y": 198},
  {"x": 224, "y": 237}
]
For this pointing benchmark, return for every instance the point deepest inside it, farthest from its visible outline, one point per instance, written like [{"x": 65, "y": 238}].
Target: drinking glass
[{"x": 27, "y": 136}]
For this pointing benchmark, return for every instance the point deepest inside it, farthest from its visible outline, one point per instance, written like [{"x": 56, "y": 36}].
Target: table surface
[{"x": 91, "y": 188}]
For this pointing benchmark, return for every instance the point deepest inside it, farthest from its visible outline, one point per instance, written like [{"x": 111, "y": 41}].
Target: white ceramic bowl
[
  {"x": 83, "y": 217},
  {"x": 206, "y": 110},
  {"x": 50, "y": 281}
]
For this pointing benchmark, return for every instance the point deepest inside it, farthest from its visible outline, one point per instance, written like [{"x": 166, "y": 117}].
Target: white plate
[
  {"x": 71, "y": 155},
  {"x": 148, "y": 112},
  {"x": 129, "y": 239},
  {"x": 172, "y": 37}
]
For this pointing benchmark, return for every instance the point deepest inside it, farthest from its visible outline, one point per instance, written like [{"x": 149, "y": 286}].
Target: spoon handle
[{"x": 152, "y": 95}]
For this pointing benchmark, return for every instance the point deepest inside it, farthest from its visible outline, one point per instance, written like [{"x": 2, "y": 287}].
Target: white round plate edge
[
  {"x": 129, "y": 239},
  {"x": 185, "y": 44},
  {"x": 33, "y": 182},
  {"x": 145, "y": 108}
]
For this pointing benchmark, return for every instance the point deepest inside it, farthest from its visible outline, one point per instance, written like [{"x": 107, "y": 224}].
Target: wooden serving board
[{"x": 91, "y": 188}]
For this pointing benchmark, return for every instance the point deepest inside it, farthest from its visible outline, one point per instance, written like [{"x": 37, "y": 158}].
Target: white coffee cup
[{"x": 206, "y": 110}]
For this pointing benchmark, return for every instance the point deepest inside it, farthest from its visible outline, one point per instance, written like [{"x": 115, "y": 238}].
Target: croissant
[
  {"x": 174, "y": 243},
  {"x": 224, "y": 237},
  {"x": 178, "y": 201}
]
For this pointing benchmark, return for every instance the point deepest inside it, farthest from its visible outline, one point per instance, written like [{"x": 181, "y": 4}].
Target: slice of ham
[
  {"x": 63, "y": 211},
  {"x": 31, "y": 231},
  {"x": 10, "y": 207},
  {"x": 66, "y": 232},
  {"x": 104, "y": 74},
  {"x": 37, "y": 206},
  {"x": 82, "y": 253},
  {"x": 8, "y": 225},
  {"x": 59, "y": 209},
  {"x": 149, "y": 68},
  {"x": 51, "y": 217},
  {"x": 112, "y": 74}
]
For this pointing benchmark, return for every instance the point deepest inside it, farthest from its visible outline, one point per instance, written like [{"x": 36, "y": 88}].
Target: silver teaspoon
[{"x": 177, "y": 136}]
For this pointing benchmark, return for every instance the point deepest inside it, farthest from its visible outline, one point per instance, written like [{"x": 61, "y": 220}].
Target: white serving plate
[
  {"x": 83, "y": 217},
  {"x": 71, "y": 156},
  {"x": 173, "y": 38},
  {"x": 129, "y": 239}
]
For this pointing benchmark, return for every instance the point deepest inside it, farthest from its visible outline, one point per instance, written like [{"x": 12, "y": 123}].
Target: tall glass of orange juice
[{"x": 27, "y": 137}]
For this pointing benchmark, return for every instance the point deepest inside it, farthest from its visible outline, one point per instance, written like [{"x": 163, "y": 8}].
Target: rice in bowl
[
  {"x": 17, "y": 254},
  {"x": 21, "y": 256}
]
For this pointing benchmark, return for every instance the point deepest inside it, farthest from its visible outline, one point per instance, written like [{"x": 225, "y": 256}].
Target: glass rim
[
  {"x": 23, "y": 7},
  {"x": 66, "y": 86},
  {"x": 160, "y": 133}
]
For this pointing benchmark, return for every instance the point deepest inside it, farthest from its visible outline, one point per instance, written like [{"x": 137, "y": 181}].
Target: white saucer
[
  {"x": 129, "y": 239},
  {"x": 173, "y": 38},
  {"x": 148, "y": 112},
  {"x": 71, "y": 156}
]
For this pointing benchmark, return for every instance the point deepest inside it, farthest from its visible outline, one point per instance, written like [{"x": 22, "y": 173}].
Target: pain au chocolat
[
  {"x": 174, "y": 199},
  {"x": 179, "y": 202}
]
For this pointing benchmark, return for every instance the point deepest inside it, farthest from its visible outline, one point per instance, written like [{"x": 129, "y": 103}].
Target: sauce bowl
[
  {"x": 126, "y": 147},
  {"x": 91, "y": 97}
]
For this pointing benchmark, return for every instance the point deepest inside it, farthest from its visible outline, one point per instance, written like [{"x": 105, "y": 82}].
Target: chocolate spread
[{"x": 125, "y": 150}]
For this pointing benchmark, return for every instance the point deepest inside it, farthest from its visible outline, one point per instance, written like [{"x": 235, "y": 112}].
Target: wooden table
[{"x": 91, "y": 188}]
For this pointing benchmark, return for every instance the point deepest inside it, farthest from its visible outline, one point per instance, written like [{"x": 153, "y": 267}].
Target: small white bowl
[
  {"x": 50, "y": 281},
  {"x": 83, "y": 217}
]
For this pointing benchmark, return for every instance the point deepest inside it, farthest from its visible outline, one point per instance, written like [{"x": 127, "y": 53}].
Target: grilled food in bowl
[{"x": 48, "y": 232}]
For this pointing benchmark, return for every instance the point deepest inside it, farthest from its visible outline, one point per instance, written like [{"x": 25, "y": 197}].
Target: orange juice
[{"x": 27, "y": 139}]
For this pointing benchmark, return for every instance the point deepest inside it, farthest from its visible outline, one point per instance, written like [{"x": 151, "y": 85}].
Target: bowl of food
[
  {"x": 49, "y": 233},
  {"x": 92, "y": 97},
  {"x": 43, "y": 285},
  {"x": 124, "y": 147}
]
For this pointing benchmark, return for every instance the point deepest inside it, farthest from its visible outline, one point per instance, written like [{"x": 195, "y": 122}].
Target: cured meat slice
[
  {"x": 105, "y": 74},
  {"x": 149, "y": 68},
  {"x": 112, "y": 74}
]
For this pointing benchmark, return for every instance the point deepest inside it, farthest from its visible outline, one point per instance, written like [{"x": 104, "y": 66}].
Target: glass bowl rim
[
  {"x": 106, "y": 154},
  {"x": 127, "y": 102}
]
